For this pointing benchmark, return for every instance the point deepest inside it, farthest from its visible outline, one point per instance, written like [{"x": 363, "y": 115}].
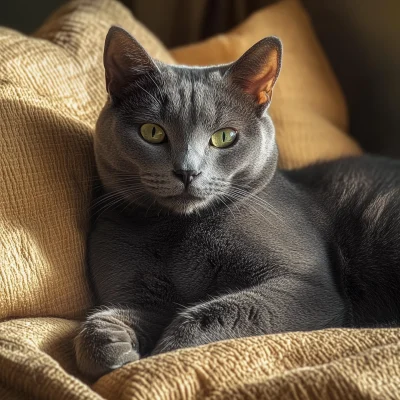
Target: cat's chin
[{"x": 184, "y": 204}]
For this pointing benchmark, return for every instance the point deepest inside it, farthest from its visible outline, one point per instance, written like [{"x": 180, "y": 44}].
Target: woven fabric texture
[{"x": 36, "y": 358}]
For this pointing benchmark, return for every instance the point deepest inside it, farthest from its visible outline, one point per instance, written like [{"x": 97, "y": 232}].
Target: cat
[{"x": 202, "y": 238}]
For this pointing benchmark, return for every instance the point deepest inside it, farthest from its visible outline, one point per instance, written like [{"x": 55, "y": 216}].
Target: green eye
[
  {"x": 153, "y": 133},
  {"x": 223, "y": 138}
]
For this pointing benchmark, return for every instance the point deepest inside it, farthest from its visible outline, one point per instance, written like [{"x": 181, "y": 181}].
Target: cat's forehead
[
  {"x": 198, "y": 96},
  {"x": 189, "y": 74},
  {"x": 183, "y": 99},
  {"x": 193, "y": 83}
]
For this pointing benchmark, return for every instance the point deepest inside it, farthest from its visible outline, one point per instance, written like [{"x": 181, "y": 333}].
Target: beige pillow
[
  {"x": 308, "y": 107},
  {"x": 51, "y": 92}
]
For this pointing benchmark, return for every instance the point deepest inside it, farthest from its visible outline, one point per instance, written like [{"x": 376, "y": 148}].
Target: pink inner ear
[
  {"x": 263, "y": 98},
  {"x": 260, "y": 85}
]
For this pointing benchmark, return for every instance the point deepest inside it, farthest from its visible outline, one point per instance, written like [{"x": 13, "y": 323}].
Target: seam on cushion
[{"x": 65, "y": 18}]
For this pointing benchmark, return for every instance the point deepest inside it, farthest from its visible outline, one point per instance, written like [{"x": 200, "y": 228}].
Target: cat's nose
[{"x": 186, "y": 176}]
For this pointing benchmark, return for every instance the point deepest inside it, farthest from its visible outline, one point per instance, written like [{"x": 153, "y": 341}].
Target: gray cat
[{"x": 201, "y": 238}]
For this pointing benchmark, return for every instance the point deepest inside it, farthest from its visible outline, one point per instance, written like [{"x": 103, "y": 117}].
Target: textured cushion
[
  {"x": 321, "y": 365},
  {"x": 308, "y": 107},
  {"x": 51, "y": 92}
]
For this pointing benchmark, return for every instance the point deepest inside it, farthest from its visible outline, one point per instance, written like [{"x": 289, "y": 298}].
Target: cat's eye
[
  {"x": 153, "y": 133},
  {"x": 223, "y": 138}
]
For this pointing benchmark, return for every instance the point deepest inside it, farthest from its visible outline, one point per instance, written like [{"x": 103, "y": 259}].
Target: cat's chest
[
  {"x": 205, "y": 256},
  {"x": 198, "y": 256}
]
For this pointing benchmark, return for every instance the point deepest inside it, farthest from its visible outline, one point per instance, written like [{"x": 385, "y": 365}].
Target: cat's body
[
  {"x": 172, "y": 262},
  {"x": 209, "y": 243},
  {"x": 359, "y": 198}
]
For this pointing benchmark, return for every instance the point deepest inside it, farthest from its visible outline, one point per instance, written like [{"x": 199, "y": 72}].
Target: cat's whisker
[
  {"x": 269, "y": 207},
  {"x": 239, "y": 197},
  {"x": 109, "y": 206},
  {"x": 111, "y": 197},
  {"x": 108, "y": 196},
  {"x": 155, "y": 83},
  {"x": 107, "y": 201},
  {"x": 150, "y": 207},
  {"x": 133, "y": 201},
  {"x": 114, "y": 203},
  {"x": 234, "y": 203},
  {"x": 155, "y": 99},
  {"x": 226, "y": 205},
  {"x": 261, "y": 202},
  {"x": 252, "y": 207}
]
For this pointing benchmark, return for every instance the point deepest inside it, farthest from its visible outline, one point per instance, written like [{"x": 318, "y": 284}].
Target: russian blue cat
[{"x": 202, "y": 238}]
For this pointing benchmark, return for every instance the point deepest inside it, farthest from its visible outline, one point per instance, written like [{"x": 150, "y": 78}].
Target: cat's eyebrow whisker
[
  {"x": 155, "y": 83},
  {"x": 158, "y": 69},
  {"x": 155, "y": 99}
]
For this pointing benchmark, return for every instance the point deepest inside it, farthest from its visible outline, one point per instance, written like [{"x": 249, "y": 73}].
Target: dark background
[{"x": 360, "y": 37}]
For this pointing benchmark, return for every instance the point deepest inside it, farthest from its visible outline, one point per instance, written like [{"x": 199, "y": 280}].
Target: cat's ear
[
  {"x": 124, "y": 60},
  {"x": 257, "y": 70}
]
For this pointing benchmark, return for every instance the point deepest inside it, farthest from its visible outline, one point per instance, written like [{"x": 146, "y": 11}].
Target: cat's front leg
[
  {"x": 112, "y": 337},
  {"x": 280, "y": 305},
  {"x": 201, "y": 324}
]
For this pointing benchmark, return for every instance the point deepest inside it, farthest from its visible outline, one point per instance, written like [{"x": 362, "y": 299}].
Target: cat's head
[{"x": 186, "y": 138}]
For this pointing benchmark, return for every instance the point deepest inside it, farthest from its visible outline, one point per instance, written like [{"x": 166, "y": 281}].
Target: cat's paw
[
  {"x": 195, "y": 326},
  {"x": 176, "y": 336},
  {"x": 104, "y": 343}
]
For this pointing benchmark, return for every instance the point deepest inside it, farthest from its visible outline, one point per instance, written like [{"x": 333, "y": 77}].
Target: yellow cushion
[
  {"x": 308, "y": 107},
  {"x": 319, "y": 365},
  {"x": 51, "y": 92},
  {"x": 36, "y": 359}
]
